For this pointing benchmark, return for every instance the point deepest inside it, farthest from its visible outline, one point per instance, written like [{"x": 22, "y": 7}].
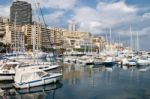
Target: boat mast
[
  {"x": 106, "y": 42},
  {"x": 137, "y": 41},
  {"x": 48, "y": 34},
  {"x": 38, "y": 21},
  {"x": 131, "y": 39},
  {"x": 91, "y": 47},
  {"x": 110, "y": 39},
  {"x": 33, "y": 35},
  {"x": 15, "y": 34}
]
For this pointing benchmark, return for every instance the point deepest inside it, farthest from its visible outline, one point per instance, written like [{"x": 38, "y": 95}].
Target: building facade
[
  {"x": 5, "y": 30},
  {"x": 2, "y": 30},
  {"x": 21, "y": 12},
  {"x": 11, "y": 34},
  {"x": 32, "y": 35},
  {"x": 76, "y": 39},
  {"x": 52, "y": 37},
  {"x": 99, "y": 42}
]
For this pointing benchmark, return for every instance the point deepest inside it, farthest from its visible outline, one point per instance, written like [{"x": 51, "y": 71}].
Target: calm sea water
[{"x": 88, "y": 82}]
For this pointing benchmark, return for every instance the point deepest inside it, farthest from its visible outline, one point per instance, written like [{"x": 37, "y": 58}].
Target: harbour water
[{"x": 89, "y": 82}]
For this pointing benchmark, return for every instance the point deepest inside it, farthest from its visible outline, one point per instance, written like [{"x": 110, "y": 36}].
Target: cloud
[
  {"x": 146, "y": 15},
  {"x": 117, "y": 6},
  {"x": 104, "y": 16},
  {"x": 88, "y": 19},
  {"x": 54, "y": 18},
  {"x": 4, "y": 11},
  {"x": 145, "y": 31},
  {"x": 118, "y": 16}
]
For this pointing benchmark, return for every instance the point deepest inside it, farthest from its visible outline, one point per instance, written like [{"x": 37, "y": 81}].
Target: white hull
[
  {"x": 128, "y": 63},
  {"x": 132, "y": 63},
  {"x": 7, "y": 77},
  {"x": 39, "y": 82},
  {"x": 143, "y": 62},
  {"x": 38, "y": 89},
  {"x": 44, "y": 67}
]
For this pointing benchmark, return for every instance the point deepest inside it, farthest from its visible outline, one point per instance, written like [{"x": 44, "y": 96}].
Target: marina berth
[
  {"x": 34, "y": 77},
  {"x": 74, "y": 49}
]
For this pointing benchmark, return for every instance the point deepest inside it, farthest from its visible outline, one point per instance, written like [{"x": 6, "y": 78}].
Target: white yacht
[
  {"x": 9, "y": 67},
  {"x": 34, "y": 77},
  {"x": 143, "y": 61},
  {"x": 129, "y": 61},
  {"x": 7, "y": 70},
  {"x": 99, "y": 61},
  {"x": 86, "y": 60},
  {"x": 42, "y": 66}
]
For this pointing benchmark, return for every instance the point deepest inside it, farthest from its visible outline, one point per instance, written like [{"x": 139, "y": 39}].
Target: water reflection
[
  {"x": 95, "y": 82},
  {"x": 76, "y": 74},
  {"x": 40, "y": 92},
  {"x": 91, "y": 82}
]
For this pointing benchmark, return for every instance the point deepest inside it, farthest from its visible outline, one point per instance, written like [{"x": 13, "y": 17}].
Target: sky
[{"x": 97, "y": 17}]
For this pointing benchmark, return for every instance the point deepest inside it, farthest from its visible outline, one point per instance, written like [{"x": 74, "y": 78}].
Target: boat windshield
[
  {"x": 26, "y": 77},
  {"x": 41, "y": 74}
]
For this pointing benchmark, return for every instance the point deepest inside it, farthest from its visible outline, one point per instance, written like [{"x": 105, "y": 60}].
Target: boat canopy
[{"x": 26, "y": 75}]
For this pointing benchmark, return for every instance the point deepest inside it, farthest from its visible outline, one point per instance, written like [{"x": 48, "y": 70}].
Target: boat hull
[
  {"x": 6, "y": 77},
  {"x": 43, "y": 81},
  {"x": 109, "y": 64},
  {"x": 38, "y": 89},
  {"x": 98, "y": 63}
]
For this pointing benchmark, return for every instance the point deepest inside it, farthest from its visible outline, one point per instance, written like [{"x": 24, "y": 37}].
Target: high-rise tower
[
  {"x": 72, "y": 26},
  {"x": 22, "y": 12}
]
